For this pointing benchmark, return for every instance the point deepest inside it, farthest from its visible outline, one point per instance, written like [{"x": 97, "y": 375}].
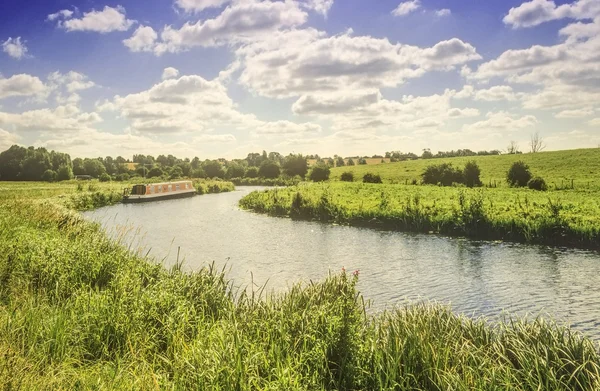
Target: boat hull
[{"x": 133, "y": 199}]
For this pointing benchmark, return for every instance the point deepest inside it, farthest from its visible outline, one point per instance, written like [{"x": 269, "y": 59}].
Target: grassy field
[
  {"x": 558, "y": 168},
  {"x": 569, "y": 217},
  {"x": 80, "y": 312}
]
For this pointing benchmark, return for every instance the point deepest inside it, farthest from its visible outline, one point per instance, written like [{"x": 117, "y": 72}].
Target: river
[{"x": 474, "y": 277}]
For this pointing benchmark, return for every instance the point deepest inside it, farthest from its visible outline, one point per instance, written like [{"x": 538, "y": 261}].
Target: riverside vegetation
[{"x": 79, "y": 311}]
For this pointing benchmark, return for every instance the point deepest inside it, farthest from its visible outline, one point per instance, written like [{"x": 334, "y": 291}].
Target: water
[{"x": 476, "y": 278}]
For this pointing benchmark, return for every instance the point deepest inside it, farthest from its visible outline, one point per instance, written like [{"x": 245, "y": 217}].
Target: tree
[
  {"x": 104, "y": 177},
  {"x": 94, "y": 167},
  {"x": 471, "y": 174},
  {"x": 444, "y": 174},
  {"x": 11, "y": 161},
  {"x": 269, "y": 169},
  {"x": 350, "y": 162},
  {"x": 252, "y": 172},
  {"x": 235, "y": 170},
  {"x": 536, "y": 143},
  {"x": 371, "y": 178},
  {"x": 49, "y": 176},
  {"x": 295, "y": 165},
  {"x": 155, "y": 172},
  {"x": 78, "y": 168},
  {"x": 513, "y": 148},
  {"x": 213, "y": 169},
  {"x": 427, "y": 154},
  {"x": 176, "y": 172},
  {"x": 339, "y": 162},
  {"x": 347, "y": 177},
  {"x": 64, "y": 173},
  {"x": 319, "y": 173},
  {"x": 362, "y": 161},
  {"x": 518, "y": 174}
]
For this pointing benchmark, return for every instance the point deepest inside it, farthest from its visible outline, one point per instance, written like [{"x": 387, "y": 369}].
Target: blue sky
[{"x": 222, "y": 78}]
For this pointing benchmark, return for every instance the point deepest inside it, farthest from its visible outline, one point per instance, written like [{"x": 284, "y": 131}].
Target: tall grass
[
  {"x": 78, "y": 312},
  {"x": 562, "y": 218}
]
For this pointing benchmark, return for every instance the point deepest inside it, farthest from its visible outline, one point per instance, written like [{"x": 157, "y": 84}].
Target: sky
[{"x": 223, "y": 78}]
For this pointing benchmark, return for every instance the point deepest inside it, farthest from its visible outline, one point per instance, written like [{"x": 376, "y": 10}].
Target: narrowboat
[{"x": 158, "y": 191}]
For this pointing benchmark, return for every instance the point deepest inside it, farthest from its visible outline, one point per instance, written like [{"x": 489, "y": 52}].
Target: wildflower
[
  {"x": 343, "y": 269},
  {"x": 355, "y": 273}
]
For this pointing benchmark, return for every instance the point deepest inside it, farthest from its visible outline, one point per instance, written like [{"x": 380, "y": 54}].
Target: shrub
[
  {"x": 518, "y": 174},
  {"x": 537, "y": 183},
  {"x": 64, "y": 173},
  {"x": 347, "y": 177},
  {"x": 269, "y": 169},
  {"x": 471, "y": 174},
  {"x": 104, "y": 177},
  {"x": 235, "y": 171},
  {"x": 252, "y": 172},
  {"x": 49, "y": 176},
  {"x": 371, "y": 178},
  {"x": 362, "y": 161},
  {"x": 155, "y": 172},
  {"x": 122, "y": 177},
  {"x": 198, "y": 173},
  {"x": 176, "y": 172},
  {"x": 444, "y": 174},
  {"x": 319, "y": 173}
]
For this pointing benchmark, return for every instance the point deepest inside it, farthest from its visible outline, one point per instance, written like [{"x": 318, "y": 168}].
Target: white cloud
[
  {"x": 142, "y": 40},
  {"x": 287, "y": 127},
  {"x": 7, "y": 139},
  {"x": 14, "y": 48},
  {"x": 594, "y": 122},
  {"x": 170, "y": 73},
  {"x": 22, "y": 85},
  {"x": 579, "y": 113},
  {"x": 319, "y": 6},
  {"x": 463, "y": 113},
  {"x": 496, "y": 93},
  {"x": 536, "y": 12},
  {"x": 300, "y": 62},
  {"x": 500, "y": 122},
  {"x": 406, "y": 7},
  {"x": 67, "y": 118},
  {"x": 64, "y": 14},
  {"x": 443, "y": 12},
  {"x": 240, "y": 22},
  {"x": 199, "y": 5},
  {"x": 214, "y": 138},
  {"x": 105, "y": 21},
  {"x": 466, "y": 92}
]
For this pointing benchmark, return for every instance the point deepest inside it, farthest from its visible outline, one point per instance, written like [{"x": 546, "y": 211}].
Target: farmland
[{"x": 559, "y": 168}]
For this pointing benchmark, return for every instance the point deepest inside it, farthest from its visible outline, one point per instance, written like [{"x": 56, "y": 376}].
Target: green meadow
[
  {"x": 580, "y": 167},
  {"x": 78, "y": 311}
]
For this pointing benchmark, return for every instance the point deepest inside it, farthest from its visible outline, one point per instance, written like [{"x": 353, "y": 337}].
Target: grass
[
  {"x": 569, "y": 218},
  {"x": 558, "y": 168},
  {"x": 80, "y": 312}
]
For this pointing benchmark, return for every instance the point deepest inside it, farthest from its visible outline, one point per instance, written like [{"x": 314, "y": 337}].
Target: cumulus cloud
[
  {"x": 169, "y": 73},
  {"x": 199, "y": 5},
  {"x": 406, "y": 7},
  {"x": 536, "y": 12},
  {"x": 579, "y": 113},
  {"x": 15, "y": 48},
  {"x": 22, "y": 85},
  {"x": 240, "y": 22},
  {"x": 443, "y": 12},
  {"x": 287, "y": 127},
  {"x": 500, "y": 122},
  {"x": 496, "y": 93},
  {"x": 105, "y": 21},
  {"x": 300, "y": 62},
  {"x": 463, "y": 113},
  {"x": 319, "y": 6},
  {"x": 67, "y": 118},
  {"x": 7, "y": 139},
  {"x": 214, "y": 138},
  {"x": 142, "y": 40}
]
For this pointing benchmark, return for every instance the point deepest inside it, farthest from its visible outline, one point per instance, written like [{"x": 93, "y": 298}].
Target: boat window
[
  {"x": 151, "y": 189},
  {"x": 170, "y": 187},
  {"x": 176, "y": 187}
]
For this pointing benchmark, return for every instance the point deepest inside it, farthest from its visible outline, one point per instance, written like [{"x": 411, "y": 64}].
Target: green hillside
[{"x": 558, "y": 168}]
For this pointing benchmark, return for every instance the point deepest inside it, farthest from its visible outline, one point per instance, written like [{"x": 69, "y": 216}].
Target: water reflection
[{"x": 477, "y": 278}]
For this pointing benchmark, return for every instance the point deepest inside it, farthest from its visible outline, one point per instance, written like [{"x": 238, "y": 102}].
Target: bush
[
  {"x": 176, "y": 172},
  {"x": 122, "y": 177},
  {"x": 471, "y": 174},
  {"x": 49, "y": 176},
  {"x": 198, "y": 173},
  {"x": 537, "y": 183},
  {"x": 64, "y": 173},
  {"x": 362, "y": 161},
  {"x": 518, "y": 174},
  {"x": 104, "y": 177},
  {"x": 347, "y": 177},
  {"x": 269, "y": 169},
  {"x": 319, "y": 173},
  {"x": 442, "y": 174},
  {"x": 371, "y": 178},
  {"x": 155, "y": 172},
  {"x": 252, "y": 172}
]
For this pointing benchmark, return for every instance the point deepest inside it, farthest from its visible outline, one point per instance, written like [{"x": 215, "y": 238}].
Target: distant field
[
  {"x": 558, "y": 168},
  {"x": 370, "y": 161}
]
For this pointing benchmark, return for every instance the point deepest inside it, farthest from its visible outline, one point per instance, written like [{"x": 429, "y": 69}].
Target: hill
[{"x": 558, "y": 168}]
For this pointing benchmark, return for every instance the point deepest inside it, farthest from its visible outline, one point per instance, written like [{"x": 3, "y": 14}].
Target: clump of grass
[{"x": 209, "y": 186}]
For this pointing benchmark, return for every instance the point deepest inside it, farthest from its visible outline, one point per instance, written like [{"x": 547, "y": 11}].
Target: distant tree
[
  {"x": 94, "y": 167},
  {"x": 213, "y": 169},
  {"x": 195, "y": 163},
  {"x": 64, "y": 173},
  {"x": 443, "y": 174},
  {"x": 269, "y": 169},
  {"x": 427, "y": 154},
  {"x": 330, "y": 163},
  {"x": 176, "y": 172},
  {"x": 518, "y": 174},
  {"x": 142, "y": 171},
  {"x": 371, "y": 178},
  {"x": 513, "y": 148},
  {"x": 536, "y": 143},
  {"x": 198, "y": 173},
  {"x": 339, "y": 162},
  {"x": 235, "y": 170},
  {"x": 350, "y": 162},
  {"x": 362, "y": 161},
  {"x": 471, "y": 174},
  {"x": 49, "y": 176},
  {"x": 252, "y": 172},
  {"x": 11, "y": 161},
  {"x": 155, "y": 172},
  {"x": 319, "y": 173},
  {"x": 186, "y": 168},
  {"x": 537, "y": 183},
  {"x": 295, "y": 165},
  {"x": 78, "y": 168},
  {"x": 104, "y": 177}
]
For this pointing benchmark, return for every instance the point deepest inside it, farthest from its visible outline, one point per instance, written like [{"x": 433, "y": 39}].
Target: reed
[{"x": 79, "y": 311}]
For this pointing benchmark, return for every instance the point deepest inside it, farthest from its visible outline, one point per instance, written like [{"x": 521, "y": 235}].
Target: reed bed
[
  {"x": 80, "y": 312},
  {"x": 564, "y": 218}
]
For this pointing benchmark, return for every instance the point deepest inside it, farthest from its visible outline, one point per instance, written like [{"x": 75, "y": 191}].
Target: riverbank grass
[{"x": 80, "y": 312}]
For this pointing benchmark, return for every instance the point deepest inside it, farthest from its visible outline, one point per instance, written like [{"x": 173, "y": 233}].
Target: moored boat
[{"x": 158, "y": 191}]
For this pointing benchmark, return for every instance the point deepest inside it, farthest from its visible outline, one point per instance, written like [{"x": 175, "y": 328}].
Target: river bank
[
  {"x": 560, "y": 218},
  {"x": 77, "y": 310}
]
